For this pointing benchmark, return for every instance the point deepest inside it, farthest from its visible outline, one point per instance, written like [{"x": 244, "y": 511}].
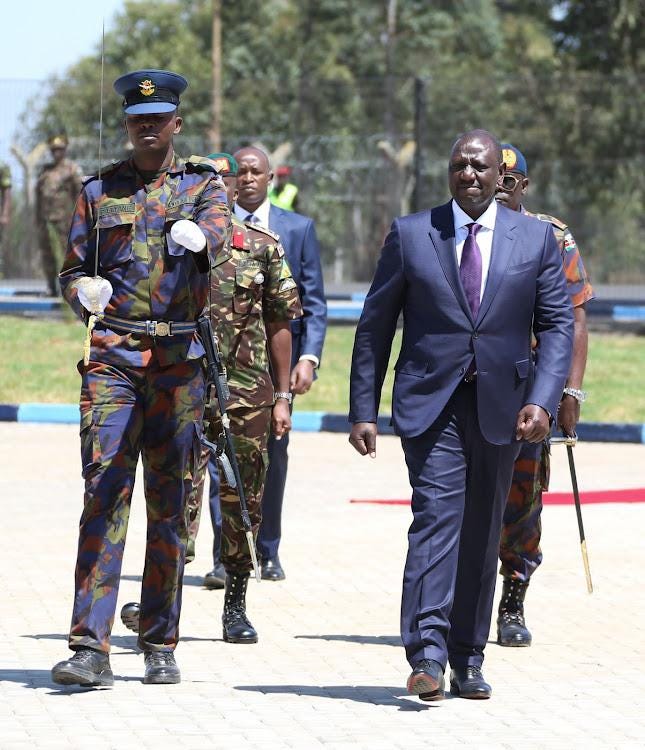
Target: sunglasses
[{"x": 509, "y": 182}]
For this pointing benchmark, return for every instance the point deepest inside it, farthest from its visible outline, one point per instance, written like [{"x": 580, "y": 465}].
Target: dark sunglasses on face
[{"x": 509, "y": 182}]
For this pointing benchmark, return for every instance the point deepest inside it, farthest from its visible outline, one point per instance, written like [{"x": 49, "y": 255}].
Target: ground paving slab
[{"x": 329, "y": 671}]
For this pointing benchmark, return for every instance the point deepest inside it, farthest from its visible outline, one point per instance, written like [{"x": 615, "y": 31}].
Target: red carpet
[{"x": 549, "y": 498}]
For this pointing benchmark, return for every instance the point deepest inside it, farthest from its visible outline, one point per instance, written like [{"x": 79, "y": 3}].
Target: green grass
[{"x": 38, "y": 363}]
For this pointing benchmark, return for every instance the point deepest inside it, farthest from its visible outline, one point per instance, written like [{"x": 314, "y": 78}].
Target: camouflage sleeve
[
  {"x": 281, "y": 299},
  {"x": 213, "y": 216},
  {"x": 80, "y": 252},
  {"x": 578, "y": 285}
]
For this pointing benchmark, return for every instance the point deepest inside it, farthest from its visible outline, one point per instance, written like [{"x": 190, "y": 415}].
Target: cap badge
[
  {"x": 147, "y": 87},
  {"x": 509, "y": 157}
]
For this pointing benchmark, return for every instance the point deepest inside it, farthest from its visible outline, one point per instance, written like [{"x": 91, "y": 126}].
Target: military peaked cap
[{"x": 150, "y": 91}]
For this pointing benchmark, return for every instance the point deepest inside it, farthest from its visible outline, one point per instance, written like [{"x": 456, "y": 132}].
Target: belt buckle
[{"x": 158, "y": 328}]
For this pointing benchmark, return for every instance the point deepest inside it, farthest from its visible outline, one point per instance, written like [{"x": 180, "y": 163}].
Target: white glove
[
  {"x": 187, "y": 234},
  {"x": 93, "y": 293}
]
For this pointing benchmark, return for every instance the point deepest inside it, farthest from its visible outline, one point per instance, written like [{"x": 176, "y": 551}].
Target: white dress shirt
[
  {"x": 261, "y": 213},
  {"x": 484, "y": 235}
]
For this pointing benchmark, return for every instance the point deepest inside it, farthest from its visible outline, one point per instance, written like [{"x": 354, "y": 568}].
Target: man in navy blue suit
[
  {"x": 474, "y": 281},
  {"x": 298, "y": 237}
]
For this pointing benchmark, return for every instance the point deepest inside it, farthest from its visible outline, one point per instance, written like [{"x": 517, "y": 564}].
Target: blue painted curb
[{"x": 317, "y": 421}]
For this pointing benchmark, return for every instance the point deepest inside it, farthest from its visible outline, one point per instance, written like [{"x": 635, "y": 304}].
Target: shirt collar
[
  {"x": 262, "y": 212},
  {"x": 487, "y": 219}
]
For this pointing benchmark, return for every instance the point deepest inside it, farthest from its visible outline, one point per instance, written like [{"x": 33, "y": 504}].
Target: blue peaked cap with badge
[
  {"x": 514, "y": 159},
  {"x": 150, "y": 91}
]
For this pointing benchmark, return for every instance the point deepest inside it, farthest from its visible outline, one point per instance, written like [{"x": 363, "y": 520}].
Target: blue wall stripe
[
  {"x": 59, "y": 413},
  {"x": 316, "y": 421}
]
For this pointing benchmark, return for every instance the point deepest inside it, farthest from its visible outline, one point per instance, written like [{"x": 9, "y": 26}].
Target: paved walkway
[{"x": 329, "y": 671}]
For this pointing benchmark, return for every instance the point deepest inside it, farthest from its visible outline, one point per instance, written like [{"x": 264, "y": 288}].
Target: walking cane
[{"x": 570, "y": 441}]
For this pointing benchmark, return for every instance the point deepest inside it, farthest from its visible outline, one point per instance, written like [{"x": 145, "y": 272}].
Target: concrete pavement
[{"x": 329, "y": 671}]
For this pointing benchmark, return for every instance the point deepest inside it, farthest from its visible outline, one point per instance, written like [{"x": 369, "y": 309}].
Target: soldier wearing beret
[
  {"x": 161, "y": 223},
  {"x": 253, "y": 298},
  {"x": 520, "y": 552},
  {"x": 58, "y": 185}
]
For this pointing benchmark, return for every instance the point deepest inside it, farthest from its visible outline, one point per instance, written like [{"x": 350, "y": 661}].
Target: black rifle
[{"x": 224, "y": 451}]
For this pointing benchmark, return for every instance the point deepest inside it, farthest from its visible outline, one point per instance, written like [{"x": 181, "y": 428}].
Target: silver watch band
[
  {"x": 579, "y": 395},
  {"x": 287, "y": 395}
]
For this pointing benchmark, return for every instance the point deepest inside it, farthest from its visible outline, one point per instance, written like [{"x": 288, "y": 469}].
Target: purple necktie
[{"x": 470, "y": 270}]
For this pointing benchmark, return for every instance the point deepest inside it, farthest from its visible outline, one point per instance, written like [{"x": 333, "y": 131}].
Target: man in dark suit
[
  {"x": 473, "y": 281},
  {"x": 298, "y": 237}
]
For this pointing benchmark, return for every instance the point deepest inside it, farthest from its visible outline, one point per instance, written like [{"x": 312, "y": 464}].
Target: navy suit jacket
[
  {"x": 418, "y": 275},
  {"x": 298, "y": 237}
]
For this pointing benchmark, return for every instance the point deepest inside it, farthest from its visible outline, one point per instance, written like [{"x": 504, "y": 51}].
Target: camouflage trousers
[
  {"x": 52, "y": 240},
  {"x": 127, "y": 411},
  {"x": 250, "y": 430},
  {"x": 519, "y": 549}
]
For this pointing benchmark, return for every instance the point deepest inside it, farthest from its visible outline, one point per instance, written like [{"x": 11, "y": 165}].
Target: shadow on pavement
[
  {"x": 377, "y": 695},
  {"x": 35, "y": 679},
  {"x": 372, "y": 640}
]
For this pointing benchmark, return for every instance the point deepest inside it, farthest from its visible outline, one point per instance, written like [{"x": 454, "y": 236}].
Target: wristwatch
[
  {"x": 579, "y": 395},
  {"x": 286, "y": 395}
]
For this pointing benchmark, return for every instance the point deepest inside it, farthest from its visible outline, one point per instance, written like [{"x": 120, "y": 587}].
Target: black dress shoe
[
  {"x": 86, "y": 667},
  {"x": 130, "y": 616},
  {"x": 272, "y": 570},
  {"x": 216, "y": 579},
  {"x": 469, "y": 682},
  {"x": 161, "y": 668},
  {"x": 427, "y": 680}
]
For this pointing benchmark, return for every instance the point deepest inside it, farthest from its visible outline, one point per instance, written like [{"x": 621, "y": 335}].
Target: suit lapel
[
  {"x": 503, "y": 242},
  {"x": 442, "y": 234}
]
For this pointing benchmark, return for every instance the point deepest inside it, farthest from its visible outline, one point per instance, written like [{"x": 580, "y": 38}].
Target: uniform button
[
  {"x": 462, "y": 370},
  {"x": 475, "y": 335}
]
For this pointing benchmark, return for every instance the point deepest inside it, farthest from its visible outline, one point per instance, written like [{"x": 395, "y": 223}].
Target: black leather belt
[{"x": 149, "y": 327}]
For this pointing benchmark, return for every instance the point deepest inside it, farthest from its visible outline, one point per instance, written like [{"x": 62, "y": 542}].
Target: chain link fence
[{"x": 354, "y": 178}]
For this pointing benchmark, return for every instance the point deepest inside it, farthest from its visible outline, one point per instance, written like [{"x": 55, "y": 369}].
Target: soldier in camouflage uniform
[
  {"x": 252, "y": 299},
  {"x": 143, "y": 388},
  {"x": 57, "y": 187},
  {"x": 520, "y": 552},
  {"x": 5, "y": 198}
]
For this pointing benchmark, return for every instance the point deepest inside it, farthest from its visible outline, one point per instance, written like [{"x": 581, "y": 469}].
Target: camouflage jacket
[
  {"x": 578, "y": 284},
  {"x": 56, "y": 190},
  {"x": 153, "y": 277},
  {"x": 251, "y": 285}
]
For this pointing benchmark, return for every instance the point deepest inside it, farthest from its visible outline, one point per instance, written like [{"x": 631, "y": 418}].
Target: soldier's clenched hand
[
  {"x": 187, "y": 234},
  {"x": 363, "y": 438},
  {"x": 532, "y": 424}
]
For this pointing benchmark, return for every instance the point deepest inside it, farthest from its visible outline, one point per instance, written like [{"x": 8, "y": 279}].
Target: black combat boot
[
  {"x": 237, "y": 628},
  {"x": 511, "y": 628}
]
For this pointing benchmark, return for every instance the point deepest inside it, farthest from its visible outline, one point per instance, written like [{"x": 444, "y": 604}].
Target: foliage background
[{"x": 345, "y": 84}]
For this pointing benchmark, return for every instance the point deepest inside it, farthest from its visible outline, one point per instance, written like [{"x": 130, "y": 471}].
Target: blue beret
[
  {"x": 514, "y": 159},
  {"x": 226, "y": 164},
  {"x": 150, "y": 91}
]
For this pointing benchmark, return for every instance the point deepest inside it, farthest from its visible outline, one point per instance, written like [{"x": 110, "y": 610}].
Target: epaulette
[
  {"x": 105, "y": 172},
  {"x": 262, "y": 230},
  {"x": 201, "y": 164},
  {"x": 551, "y": 220}
]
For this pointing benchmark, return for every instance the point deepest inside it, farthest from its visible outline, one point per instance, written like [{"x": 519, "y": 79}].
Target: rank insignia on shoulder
[
  {"x": 202, "y": 164},
  {"x": 262, "y": 230},
  {"x": 287, "y": 284}
]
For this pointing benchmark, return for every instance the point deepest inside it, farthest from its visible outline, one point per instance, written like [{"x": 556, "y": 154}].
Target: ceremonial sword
[{"x": 570, "y": 441}]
